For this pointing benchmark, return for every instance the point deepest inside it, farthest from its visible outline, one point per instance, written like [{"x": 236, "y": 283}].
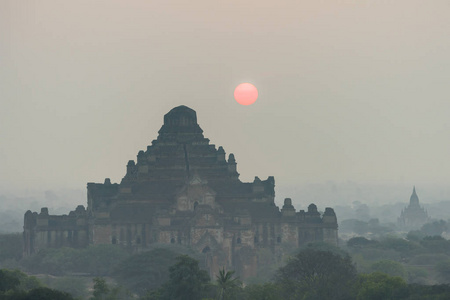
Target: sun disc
[{"x": 245, "y": 93}]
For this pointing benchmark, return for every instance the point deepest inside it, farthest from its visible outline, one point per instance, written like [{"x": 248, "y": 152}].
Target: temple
[
  {"x": 413, "y": 216},
  {"x": 183, "y": 190}
]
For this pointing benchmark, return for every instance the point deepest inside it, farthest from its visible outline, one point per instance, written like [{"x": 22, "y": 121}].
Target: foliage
[
  {"x": 186, "y": 280},
  {"x": 417, "y": 275},
  {"x": 44, "y": 293},
  {"x": 74, "y": 285},
  {"x": 428, "y": 259},
  {"x": 428, "y": 292},
  {"x": 8, "y": 281},
  {"x": 316, "y": 274},
  {"x": 415, "y": 235},
  {"x": 436, "y": 244},
  {"x": 325, "y": 247},
  {"x": 226, "y": 284},
  {"x": 104, "y": 291},
  {"x": 403, "y": 246},
  {"x": 16, "y": 285},
  {"x": 434, "y": 228},
  {"x": 15, "y": 279},
  {"x": 392, "y": 268},
  {"x": 145, "y": 271},
  {"x": 443, "y": 270},
  {"x": 360, "y": 242},
  {"x": 98, "y": 260},
  {"x": 266, "y": 291},
  {"x": 377, "y": 286},
  {"x": 101, "y": 289}
]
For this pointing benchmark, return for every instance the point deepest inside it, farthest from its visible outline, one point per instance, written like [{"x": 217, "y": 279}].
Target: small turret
[
  {"x": 329, "y": 216},
  {"x": 232, "y": 166},
  {"x": 288, "y": 209},
  {"x": 131, "y": 166},
  {"x": 312, "y": 215},
  {"x": 257, "y": 185},
  {"x": 220, "y": 154},
  {"x": 141, "y": 157}
]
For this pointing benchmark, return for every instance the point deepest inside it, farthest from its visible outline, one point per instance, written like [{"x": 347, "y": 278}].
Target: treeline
[
  {"x": 310, "y": 274},
  {"x": 373, "y": 227},
  {"x": 415, "y": 267},
  {"x": 416, "y": 258},
  {"x": 15, "y": 285}
]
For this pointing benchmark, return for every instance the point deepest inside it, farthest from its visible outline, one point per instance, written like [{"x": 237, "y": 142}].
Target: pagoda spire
[{"x": 414, "y": 200}]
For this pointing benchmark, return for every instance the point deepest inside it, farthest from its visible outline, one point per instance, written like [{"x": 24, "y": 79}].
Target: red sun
[{"x": 245, "y": 93}]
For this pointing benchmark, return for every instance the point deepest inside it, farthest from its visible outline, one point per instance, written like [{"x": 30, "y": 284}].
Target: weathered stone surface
[{"x": 183, "y": 190}]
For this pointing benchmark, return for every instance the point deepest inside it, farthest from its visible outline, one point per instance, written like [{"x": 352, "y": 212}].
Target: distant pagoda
[{"x": 413, "y": 216}]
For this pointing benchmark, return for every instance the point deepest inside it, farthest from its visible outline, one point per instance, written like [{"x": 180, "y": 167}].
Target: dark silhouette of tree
[
  {"x": 101, "y": 289},
  {"x": 266, "y": 291},
  {"x": 434, "y": 228},
  {"x": 226, "y": 283},
  {"x": 186, "y": 280},
  {"x": 44, "y": 293},
  {"x": 146, "y": 271},
  {"x": 315, "y": 274},
  {"x": 8, "y": 281}
]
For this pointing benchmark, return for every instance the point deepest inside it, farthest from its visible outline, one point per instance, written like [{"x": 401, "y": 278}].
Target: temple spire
[{"x": 414, "y": 200}]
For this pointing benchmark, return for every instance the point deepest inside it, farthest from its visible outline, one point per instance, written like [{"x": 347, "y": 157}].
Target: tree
[
  {"x": 403, "y": 246},
  {"x": 8, "y": 281},
  {"x": 443, "y": 270},
  {"x": 436, "y": 244},
  {"x": 266, "y": 291},
  {"x": 378, "y": 285},
  {"x": 101, "y": 289},
  {"x": 434, "y": 228},
  {"x": 415, "y": 235},
  {"x": 315, "y": 274},
  {"x": 186, "y": 280},
  {"x": 359, "y": 242},
  {"x": 44, "y": 293},
  {"x": 74, "y": 285},
  {"x": 226, "y": 283},
  {"x": 390, "y": 267},
  {"x": 145, "y": 271}
]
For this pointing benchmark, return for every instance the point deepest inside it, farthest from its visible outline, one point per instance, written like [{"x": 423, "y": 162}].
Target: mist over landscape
[{"x": 130, "y": 168}]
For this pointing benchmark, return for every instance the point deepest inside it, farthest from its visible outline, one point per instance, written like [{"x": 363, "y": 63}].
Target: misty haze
[{"x": 131, "y": 168}]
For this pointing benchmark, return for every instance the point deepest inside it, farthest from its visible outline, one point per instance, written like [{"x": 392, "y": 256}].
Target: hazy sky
[{"x": 348, "y": 90}]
